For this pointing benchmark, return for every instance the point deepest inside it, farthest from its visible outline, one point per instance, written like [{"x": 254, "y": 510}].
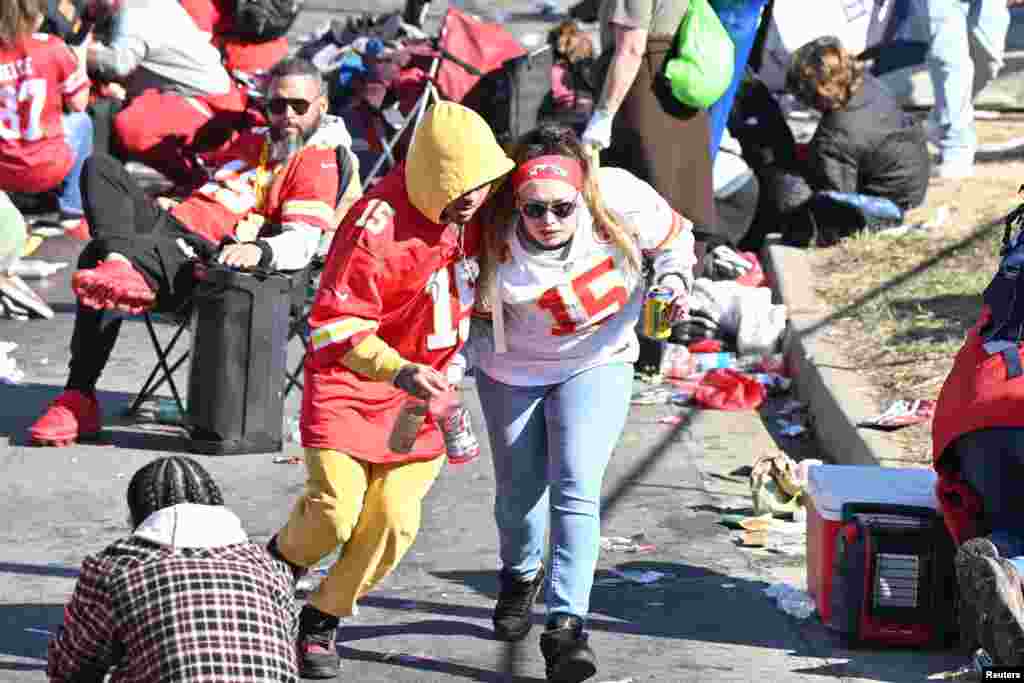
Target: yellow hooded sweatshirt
[{"x": 453, "y": 151}]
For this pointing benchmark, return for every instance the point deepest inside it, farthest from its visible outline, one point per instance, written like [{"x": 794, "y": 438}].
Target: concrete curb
[{"x": 835, "y": 393}]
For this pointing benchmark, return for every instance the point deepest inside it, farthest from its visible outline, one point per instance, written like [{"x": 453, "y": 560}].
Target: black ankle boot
[
  {"x": 512, "y": 613},
  {"x": 568, "y": 657},
  {"x": 318, "y": 656}
]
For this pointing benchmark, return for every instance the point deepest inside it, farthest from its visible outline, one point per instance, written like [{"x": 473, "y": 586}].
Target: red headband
[{"x": 549, "y": 167}]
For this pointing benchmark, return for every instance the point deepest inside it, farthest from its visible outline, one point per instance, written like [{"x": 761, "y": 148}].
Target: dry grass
[{"x": 904, "y": 340}]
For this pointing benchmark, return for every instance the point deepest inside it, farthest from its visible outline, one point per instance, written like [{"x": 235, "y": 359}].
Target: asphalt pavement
[{"x": 701, "y": 616}]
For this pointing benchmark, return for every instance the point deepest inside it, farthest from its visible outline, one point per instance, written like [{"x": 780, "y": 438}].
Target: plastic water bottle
[
  {"x": 456, "y": 428},
  {"x": 407, "y": 426}
]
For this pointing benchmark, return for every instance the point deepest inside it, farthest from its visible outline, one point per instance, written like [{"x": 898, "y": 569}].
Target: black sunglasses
[
  {"x": 535, "y": 210},
  {"x": 279, "y": 105}
]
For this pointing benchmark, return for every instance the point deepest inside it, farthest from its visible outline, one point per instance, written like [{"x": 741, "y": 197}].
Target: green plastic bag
[{"x": 702, "y": 68}]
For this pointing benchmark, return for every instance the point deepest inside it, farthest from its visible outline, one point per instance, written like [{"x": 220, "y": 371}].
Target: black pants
[{"x": 123, "y": 219}]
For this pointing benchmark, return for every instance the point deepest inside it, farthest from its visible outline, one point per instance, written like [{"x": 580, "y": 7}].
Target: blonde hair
[
  {"x": 500, "y": 217},
  {"x": 19, "y": 18}
]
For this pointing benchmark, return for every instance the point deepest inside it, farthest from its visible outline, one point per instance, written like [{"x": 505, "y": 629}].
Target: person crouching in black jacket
[{"x": 866, "y": 149}]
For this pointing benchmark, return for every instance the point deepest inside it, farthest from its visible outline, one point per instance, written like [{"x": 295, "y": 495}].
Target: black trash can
[{"x": 239, "y": 350}]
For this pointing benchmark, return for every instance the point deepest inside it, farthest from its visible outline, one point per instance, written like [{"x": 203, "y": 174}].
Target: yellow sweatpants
[{"x": 371, "y": 509}]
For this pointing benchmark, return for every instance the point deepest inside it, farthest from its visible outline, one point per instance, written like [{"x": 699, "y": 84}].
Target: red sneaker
[
  {"x": 113, "y": 285},
  {"x": 73, "y": 415}
]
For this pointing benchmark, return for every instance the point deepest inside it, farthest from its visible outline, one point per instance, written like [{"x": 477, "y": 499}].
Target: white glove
[
  {"x": 723, "y": 263},
  {"x": 599, "y": 130}
]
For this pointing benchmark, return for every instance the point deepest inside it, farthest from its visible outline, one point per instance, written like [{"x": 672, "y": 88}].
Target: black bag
[
  {"x": 1005, "y": 294},
  {"x": 259, "y": 21},
  {"x": 509, "y": 97}
]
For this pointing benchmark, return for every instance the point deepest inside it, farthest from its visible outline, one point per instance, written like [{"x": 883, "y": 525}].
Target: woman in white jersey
[{"x": 565, "y": 259}]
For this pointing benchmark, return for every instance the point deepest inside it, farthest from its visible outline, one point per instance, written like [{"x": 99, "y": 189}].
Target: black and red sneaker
[{"x": 318, "y": 656}]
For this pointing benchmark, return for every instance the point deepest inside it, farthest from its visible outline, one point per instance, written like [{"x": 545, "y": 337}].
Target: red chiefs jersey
[
  {"x": 37, "y": 75},
  {"x": 306, "y": 193},
  {"x": 393, "y": 273}
]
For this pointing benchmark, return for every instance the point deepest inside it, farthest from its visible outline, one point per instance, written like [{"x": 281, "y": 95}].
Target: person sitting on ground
[
  {"x": 864, "y": 145},
  {"x": 42, "y": 148},
  {"x": 978, "y": 453},
  {"x": 185, "y": 595},
  {"x": 267, "y": 206},
  {"x": 178, "y": 93},
  {"x": 564, "y": 281}
]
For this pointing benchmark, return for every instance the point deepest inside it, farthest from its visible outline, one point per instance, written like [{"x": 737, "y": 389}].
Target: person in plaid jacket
[{"x": 186, "y": 597}]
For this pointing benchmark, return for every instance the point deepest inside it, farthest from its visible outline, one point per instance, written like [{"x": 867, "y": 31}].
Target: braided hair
[{"x": 169, "y": 481}]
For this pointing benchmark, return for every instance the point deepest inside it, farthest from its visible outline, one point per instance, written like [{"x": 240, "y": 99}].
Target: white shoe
[{"x": 19, "y": 299}]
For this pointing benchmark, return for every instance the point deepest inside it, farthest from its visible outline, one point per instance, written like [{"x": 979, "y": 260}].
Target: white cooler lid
[{"x": 830, "y": 486}]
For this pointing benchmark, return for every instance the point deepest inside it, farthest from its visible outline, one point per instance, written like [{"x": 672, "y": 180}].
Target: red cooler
[{"x": 829, "y": 487}]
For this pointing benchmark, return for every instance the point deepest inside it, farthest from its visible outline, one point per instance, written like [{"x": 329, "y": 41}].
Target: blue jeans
[
  {"x": 967, "y": 41},
  {"x": 741, "y": 19},
  {"x": 992, "y": 462},
  {"x": 78, "y": 132},
  {"x": 551, "y": 446}
]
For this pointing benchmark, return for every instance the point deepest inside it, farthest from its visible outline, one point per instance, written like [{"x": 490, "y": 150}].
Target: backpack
[
  {"x": 1005, "y": 294},
  {"x": 260, "y": 21}
]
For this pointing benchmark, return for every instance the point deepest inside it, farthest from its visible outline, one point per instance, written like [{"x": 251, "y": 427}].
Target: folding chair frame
[
  {"x": 429, "y": 95},
  {"x": 162, "y": 355}
]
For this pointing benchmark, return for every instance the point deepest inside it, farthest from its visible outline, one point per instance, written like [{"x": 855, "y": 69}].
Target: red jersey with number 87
[
  {"x": 393, "y": 273},
  {"x": 37, "y": 75}
]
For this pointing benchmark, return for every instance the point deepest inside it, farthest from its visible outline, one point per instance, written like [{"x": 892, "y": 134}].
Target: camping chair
[
  {"x": 349, "y": 190},
  {"x": 465, "y": 51}
]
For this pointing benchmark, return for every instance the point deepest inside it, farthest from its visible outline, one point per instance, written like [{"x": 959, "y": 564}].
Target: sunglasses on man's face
[
  {"x": 279, "y": 105},
  {"x": 535, "y": 210}
]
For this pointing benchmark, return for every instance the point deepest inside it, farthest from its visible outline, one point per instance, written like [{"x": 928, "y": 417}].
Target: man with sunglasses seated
[{"x": 268, "y": 204}]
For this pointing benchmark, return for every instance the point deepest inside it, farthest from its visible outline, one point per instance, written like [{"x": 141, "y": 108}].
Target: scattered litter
[
  {"x": 159, "y": 410},
  {"x": 775, "y": 384},
  {"x": 676, "y": 361},
  {"x": 644, "y": 576},
  {"x": 901, "y": 414},
  {"x": 670, "y": 420},
  {"x": 44, "y": 361},
  {"x": 938, "y": 220},
  {"x": 776, "y": 484},
  {"x": 655, "y": 604},
  {"x": 787, "y": 428},
  {"x": 772, "y": 364},
  {"x": 653, "y": 396},
  {"x": 40, "y": 631},
  {"x": 531, "y": 40},
  {"x": 9, "y": 371},
  {"x": 290, "y": 429},
  {"x": 757, "y": 539},
  {"x": 702, "y": 362},
  {"x": 728, "y": 585},
  {"x": 287, "y": 460},
  {"x": 637, "y": 543},
  {"x": 36, "y": 269},
  {"x": 120, "y": 475},
  {"x": 792, "y": 601}
]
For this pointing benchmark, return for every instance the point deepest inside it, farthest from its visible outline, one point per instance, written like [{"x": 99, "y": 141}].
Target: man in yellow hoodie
[{"x": 392, "y": 311}]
